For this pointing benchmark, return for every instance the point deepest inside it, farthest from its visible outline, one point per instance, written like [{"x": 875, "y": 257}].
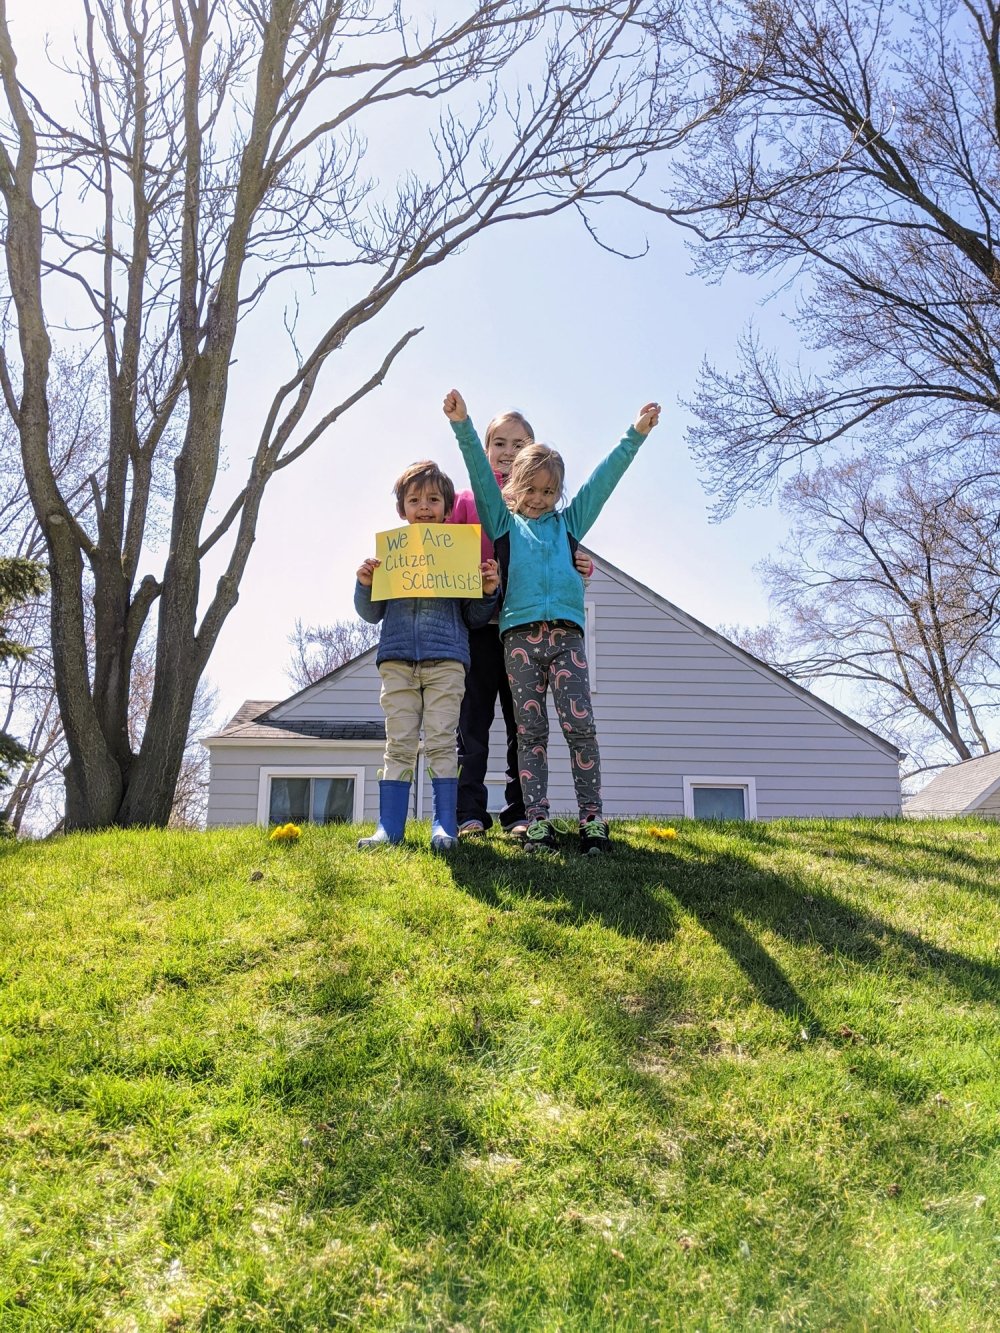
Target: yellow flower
[
  {"x": 286, "y": 833},
  {"x": 663, "y": 832}
]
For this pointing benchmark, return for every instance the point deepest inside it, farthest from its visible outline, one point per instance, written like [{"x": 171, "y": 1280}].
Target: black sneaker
[
  {"x": 594, "y": 837},
  {"x": 540, "y": 836}
]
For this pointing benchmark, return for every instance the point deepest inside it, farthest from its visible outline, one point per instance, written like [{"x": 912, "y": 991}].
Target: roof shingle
[
  {"x": 251, "y": 722},
  {"x": 959, "y": 789}
]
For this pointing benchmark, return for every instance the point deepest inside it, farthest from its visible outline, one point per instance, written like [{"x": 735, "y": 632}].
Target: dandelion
[
  {"x": 667, "y": 833},
  {"x": 286, "y": 833}
]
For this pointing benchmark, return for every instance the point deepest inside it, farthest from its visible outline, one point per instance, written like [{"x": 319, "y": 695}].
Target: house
[
  {"x": 689, "y": 724},
  {"x": 969, "y": 788}
]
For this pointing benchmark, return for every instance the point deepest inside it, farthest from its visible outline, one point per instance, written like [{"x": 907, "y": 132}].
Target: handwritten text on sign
[{"x": 428, "y": 560}]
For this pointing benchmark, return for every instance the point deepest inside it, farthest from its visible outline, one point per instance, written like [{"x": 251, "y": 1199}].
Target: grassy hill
[{"x": 745, "y": 1078}]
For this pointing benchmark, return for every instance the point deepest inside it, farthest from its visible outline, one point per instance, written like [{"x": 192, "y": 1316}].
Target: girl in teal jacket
[{"x": 542, "y": 619}]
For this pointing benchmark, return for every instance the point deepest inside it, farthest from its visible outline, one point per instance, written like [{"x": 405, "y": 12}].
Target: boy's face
[
  {"x": 424, "y": 503},
  {"x": 540, "y": 495},
  {"x": 506, "y": 441}
]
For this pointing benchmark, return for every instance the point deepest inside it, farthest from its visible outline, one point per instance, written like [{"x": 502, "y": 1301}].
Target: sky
[
  {"x": 534, "y": 316},
  {"x": 539, "y": 318}
]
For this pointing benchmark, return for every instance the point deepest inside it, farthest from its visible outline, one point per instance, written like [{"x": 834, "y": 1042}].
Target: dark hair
[{"x": 424, "y": 474}]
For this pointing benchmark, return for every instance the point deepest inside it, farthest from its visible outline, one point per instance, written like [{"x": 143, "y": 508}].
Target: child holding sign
[
  {"x": 542, "y": 620},
  {"x": 422, "y": 656}
]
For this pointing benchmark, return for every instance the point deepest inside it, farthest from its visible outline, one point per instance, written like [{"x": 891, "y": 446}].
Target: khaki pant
[{"x": 421, "y": 692}]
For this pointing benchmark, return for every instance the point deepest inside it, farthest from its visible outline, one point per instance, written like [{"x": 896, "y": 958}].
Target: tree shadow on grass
[
  {"x": 633, "y": 899},
  {"x": 400, "y": 1130},
  {"x": 951, "y": 863},
  {"x": 736, "y": 899},
  {"x": 880, "y": 844},
  {"x": 637, "y": 892}
]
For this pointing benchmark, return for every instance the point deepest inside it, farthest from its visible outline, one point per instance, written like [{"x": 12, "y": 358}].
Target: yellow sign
[{"x": 428, "y": 560}]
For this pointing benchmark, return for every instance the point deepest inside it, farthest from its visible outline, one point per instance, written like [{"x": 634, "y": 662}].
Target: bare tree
[
  {"x": 35, "y": 802},
  {"x": 855, "y": 161},
  {"x": 892, "y": 583},
  {"x": 189, "y": 807},
  {"x": 217, "y": 149},
  {"x": 320, "y": 649}
]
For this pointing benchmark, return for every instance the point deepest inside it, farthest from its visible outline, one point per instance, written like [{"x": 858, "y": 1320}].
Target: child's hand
[
  {"x": 454, "y": 406},
  {"x": 367, "y": 572},
  {"x": 647, "y": 418},
  {"x": 490, "y": 571},
  {"x": 584, "y": 564}
]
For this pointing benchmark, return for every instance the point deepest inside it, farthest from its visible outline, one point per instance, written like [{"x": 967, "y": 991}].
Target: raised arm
[
  {"x": 590, "y": 499},
  {"x": 493, "y": 513}
]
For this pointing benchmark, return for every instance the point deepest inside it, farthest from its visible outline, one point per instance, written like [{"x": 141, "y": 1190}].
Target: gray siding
[
  {"x": 234, "y": 782},
  {"x": 673, "y": 700},
  {"x": 352, "y": 696}
]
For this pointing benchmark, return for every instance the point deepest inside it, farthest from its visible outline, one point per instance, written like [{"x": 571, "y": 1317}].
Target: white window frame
[
  {"x": 748, "y": 785},
  {"x": 308, "y": 771}
]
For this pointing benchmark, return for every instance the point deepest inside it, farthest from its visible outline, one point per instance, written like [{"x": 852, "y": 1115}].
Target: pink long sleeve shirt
[{"x": 465, "y": 512}]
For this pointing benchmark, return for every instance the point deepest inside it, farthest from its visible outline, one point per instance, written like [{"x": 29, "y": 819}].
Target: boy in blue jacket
[
  {"x": 422, "y": 656},
  {"x": 542, "y": 620}
]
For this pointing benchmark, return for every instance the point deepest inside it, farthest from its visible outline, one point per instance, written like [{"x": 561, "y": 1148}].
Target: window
[
  {"x": 719, "y": 802},
  {"x": 322, "y": 796},
  {"x": 720, "y": 798}
]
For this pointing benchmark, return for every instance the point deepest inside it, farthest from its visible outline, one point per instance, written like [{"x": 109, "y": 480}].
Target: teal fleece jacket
[{"x": 543, "y": 584}]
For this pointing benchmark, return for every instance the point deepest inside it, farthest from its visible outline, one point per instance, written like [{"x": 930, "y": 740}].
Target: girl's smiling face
[
  {"x": 504, "y": 442},
  {"x": 539, "y": 495}
]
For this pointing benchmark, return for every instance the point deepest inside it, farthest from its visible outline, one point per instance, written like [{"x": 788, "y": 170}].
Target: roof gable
[
  {"x": 720, "y": 641},
  {"x": 347, "y": 669}
]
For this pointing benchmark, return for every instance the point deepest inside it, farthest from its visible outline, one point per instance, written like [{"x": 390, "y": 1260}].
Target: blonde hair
[
  {"x": 502, "y": 418},
  {"x": 528, "y": 464}
]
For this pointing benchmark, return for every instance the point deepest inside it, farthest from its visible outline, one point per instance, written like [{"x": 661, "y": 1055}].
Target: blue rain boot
[
  {"x": 393, "y": 804},
  {"x": 444, "y": 826}
]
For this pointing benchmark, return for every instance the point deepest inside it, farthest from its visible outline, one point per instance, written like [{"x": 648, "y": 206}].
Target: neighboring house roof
[
  {"x": 958, "y": 790},
  {"x": 252, "y": 722}
]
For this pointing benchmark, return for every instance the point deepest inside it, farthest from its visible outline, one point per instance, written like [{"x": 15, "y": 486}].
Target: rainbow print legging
[{"x": 537, "y": 656}]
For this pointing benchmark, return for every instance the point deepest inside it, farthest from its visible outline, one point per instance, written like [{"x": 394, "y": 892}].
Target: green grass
[{"x": 749, "y": 1078}]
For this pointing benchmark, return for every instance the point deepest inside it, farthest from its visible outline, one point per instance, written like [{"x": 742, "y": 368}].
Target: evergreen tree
[{"x": 20, "y": 580}]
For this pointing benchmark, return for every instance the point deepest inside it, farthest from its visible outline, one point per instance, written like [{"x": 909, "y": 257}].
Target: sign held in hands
[{"x": 428, "y": 560}]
